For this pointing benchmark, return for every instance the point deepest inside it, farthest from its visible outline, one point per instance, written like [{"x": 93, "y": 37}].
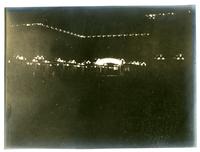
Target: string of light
[
  {"x": 137, "y": 63},
  {"x": 153, "y": 16},
  {"x": 38, "y": 60},
  {"x": 83, "y": 36}
]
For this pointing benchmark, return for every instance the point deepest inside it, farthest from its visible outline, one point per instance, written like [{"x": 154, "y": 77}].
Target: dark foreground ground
[{"x": 149, "y": 108}]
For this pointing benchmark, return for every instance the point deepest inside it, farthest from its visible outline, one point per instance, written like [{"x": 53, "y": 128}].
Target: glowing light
[
  {"x": 34, "y": 60},
  {"x": 179, "y": 57},
  {"x": 8, "y": 61},
  {"x": 160, "y": 57},
  {"x": 72, "y": 61},
  {"x": 46, "y": 61},
  {"x": 20, "y": 58},
  {"x": 82, "y": 36},
  {"x": 108, "y": 60},
  {"x": 143, "y": 64},
  {"x": 115, "y": 68},
  {"x": 153, "y": 16},
  {"x": 88, "y": 62},
  {"x": 60, "y": 60},
  {"x": 137, "y": 63}
]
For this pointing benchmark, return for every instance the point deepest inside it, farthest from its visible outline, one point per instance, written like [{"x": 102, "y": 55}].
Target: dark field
[{"x": 152, "y": 107}]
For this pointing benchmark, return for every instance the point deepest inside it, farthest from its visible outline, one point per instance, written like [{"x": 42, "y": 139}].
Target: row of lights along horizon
[{"x": 41, "y": 59}]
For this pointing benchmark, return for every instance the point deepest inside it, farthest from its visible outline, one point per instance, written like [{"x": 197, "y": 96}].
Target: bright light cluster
[
  {"x": 137, "y": 63},
  {"x": 60, "y": 60},
  {"x": 105, "y": 61},
  {"x": 46, "y": 61},
  {"x": 179, "y": 57},
  {"x": 34, "y": 60},
  {"x": 100, "y": 62},
  {"x": 39, "y": 57},
  {"x": 153, "y": 16},
  {"x": 82, "y": 35},
  {"x": 159, "y": 57},
  {"x": 72, "y": 62},
  {"x": 18, "y": 57},
  {"x": 85, "y": 62},
  {"x": 88, "y": 62},
  {"x": 29, "y": 63}
]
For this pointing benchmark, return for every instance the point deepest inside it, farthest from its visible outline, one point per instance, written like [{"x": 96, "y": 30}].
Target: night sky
[
  {"x": 69, "y": 107},
  {"x": 169, "y": 35}
]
